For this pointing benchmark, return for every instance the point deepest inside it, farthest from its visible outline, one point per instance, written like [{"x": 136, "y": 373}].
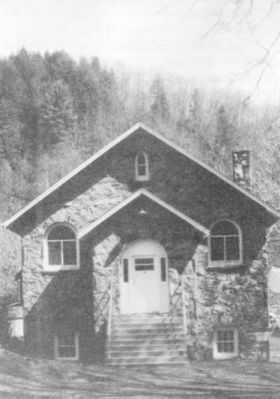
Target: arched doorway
[{"x": 144, "y": 278}]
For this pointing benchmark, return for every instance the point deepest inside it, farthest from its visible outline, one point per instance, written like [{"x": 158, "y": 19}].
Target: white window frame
[
  {"x": 146, "y": 176},
  {"x": 224, "y": 262},
  {"x": 77, "y": 349},
  {"x": 226, "y": 355},
  {"x": 56, "y": 268}
]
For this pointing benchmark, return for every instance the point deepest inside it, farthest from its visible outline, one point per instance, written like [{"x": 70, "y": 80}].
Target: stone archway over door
[{"x": 144, "y": 278}]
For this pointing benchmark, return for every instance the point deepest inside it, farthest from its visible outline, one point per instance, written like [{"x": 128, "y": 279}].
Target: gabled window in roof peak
[{"x": 142, "y": 167}]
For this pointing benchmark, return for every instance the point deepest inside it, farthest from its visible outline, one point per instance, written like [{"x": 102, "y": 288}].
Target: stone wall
[
  {"x": 79, "y": 299},
  {"x": 234, "y": 298},
  {"x": 79, "y": 212},
  {"x": 219, "y": 298},
  {"x": 273, "y": 275},
  {"x": 60, "y": 300}
]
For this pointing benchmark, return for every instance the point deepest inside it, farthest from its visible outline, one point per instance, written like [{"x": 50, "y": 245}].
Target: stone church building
[{"x": 145, "y": 254}]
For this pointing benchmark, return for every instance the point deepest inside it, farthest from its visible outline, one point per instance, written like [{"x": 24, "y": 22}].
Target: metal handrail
[
  {"x": 183, "y": 298},
  {"x": 184, "y": 306},
  {"x": 110, "y": 315}
]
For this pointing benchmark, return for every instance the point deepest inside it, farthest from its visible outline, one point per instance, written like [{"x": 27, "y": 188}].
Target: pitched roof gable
[
  {"x": 142, "y": 192},
  {"x": 119, "y": 139}
]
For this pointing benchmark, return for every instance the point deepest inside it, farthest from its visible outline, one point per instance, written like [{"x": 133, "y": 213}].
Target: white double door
[{"x": 144, "y": 285}]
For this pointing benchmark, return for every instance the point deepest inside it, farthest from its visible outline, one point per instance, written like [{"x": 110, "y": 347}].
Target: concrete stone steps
[
  {"x": 147, "y": 323},
  {"x": 147, "y": 353},
  {"x": 147, "y": 360},
  {"x": 146, "y": 339},
  {"x": 138, "y": 346},
  {"x": 150, "y": 320},
  {"x": 155, "y": 329}
]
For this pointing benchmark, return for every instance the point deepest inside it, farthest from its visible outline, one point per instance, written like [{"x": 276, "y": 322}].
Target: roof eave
[{"x": 112, "y": 144}]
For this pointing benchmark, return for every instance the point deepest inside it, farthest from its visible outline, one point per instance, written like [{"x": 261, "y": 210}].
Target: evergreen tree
[
  {"x": 10, "y": 133},
  {"x": 225, "y": 140},
  {"x": 57, "y": 117},
  {"x": 159, "y": 105},
  {"x": 55, "y": 112}
]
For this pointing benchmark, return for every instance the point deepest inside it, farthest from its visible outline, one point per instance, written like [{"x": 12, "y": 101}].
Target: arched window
[
  {"x": 142, "y": 167},
  {"x": 225, "y": 244},
  {"x": 61, "y": 248}
]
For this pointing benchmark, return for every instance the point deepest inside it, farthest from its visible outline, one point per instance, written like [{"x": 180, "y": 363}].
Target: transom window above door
[
  {"x": 144, "y": 264},
  {"x": 61, "y": 249}
]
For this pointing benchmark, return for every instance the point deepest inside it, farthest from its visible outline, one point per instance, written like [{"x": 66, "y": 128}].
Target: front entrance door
[
  {"x": 145, "y": 293},
  {"x": 144, "y": 286}
]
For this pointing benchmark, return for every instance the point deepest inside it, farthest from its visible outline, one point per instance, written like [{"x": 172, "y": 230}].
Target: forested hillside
[{"x": 55, "y": 112}]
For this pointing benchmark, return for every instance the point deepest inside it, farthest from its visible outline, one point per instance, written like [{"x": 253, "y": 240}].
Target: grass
[{"x": 21, "y": 378}]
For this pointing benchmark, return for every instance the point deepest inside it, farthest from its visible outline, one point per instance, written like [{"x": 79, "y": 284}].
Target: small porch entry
[{"x": 144, "y": 278}]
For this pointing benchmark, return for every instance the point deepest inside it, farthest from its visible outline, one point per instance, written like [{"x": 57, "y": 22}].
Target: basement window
[
  {"x": 61, "y": 249},
  {"x": 66, "y": 346},
  {"x": 225, "y": 244},
  {"x": 142, "y": 167},
  {"x": 225, "y": 343}
]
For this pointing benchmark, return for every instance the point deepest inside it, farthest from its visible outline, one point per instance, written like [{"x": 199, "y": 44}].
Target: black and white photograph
[{"x": 140, "y": 199}]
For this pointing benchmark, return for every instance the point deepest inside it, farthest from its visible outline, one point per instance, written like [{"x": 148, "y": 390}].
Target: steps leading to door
[{"x": 146, "y": 339}]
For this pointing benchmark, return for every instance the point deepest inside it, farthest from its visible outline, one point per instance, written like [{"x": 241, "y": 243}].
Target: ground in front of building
[{"x": 24, "y": 378}]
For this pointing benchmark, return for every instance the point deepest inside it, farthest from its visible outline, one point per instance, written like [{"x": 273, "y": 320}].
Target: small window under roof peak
[{"x": 142, "y": 167}]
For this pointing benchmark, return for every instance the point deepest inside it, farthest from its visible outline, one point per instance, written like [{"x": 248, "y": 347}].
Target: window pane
[
  {"x": 226, "y": 347},
  {"x": 232, "y": 248},
  {"x": 144, "y": 267},
  {"x": 69, "y": 252},
  {"x": 230, "y": 335},
  {"x": 54, "y": 253},
  {"x": 61, "y": 233},
  {"x": 224, "y": 335},
  {"x": 220, "y": 347},
  {"x": 125, "y": 271},
  {"x": 225, "y": 341},
  {"x": 141, "y": 160},
  {"x": 217, "y": 248},
  {"x": 142, "y": 170},
  {"x": 144, "y": 261},
  {"x": 163, "y": 269},
  {"x": 67, "y": 351},
  {"x": 66, "y": 339},
  {"x": 224, "y": 228},
  {"x": 230, "y": 347}
]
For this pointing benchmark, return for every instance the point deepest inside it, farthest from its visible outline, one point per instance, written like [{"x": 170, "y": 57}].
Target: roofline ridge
[{"x": 117, "y": 140}]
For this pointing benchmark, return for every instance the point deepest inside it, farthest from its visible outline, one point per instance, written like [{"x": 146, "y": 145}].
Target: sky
[{"x": 208, "y": 41}]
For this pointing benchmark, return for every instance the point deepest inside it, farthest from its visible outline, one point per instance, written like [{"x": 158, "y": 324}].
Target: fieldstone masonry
[
  {"x": 272, "y": 251},
  {"x": 79, "y": 299}
]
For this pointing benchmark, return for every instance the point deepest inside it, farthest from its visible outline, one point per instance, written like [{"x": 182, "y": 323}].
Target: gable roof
[
  {"x": 119, "y": 139},
  {"x": 142, "y": 192}
]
